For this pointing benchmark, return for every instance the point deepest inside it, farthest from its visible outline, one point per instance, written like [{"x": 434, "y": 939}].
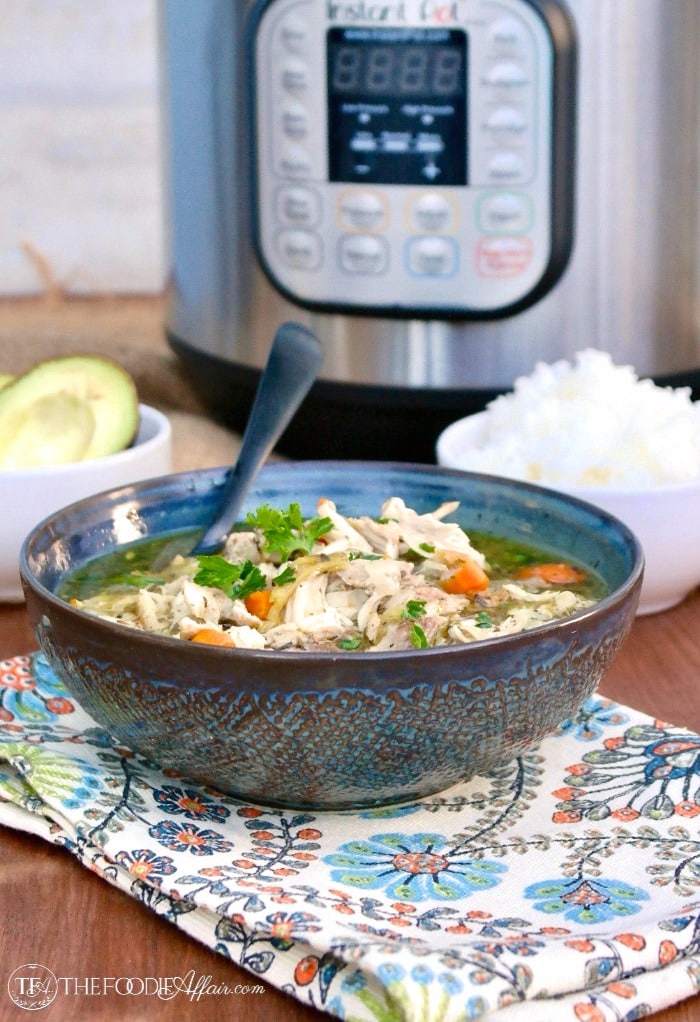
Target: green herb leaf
[
  {"x": 349, "y": 643},
  {"x": 483, "y": 620},
  {"x": 285, "y": 576},
  {"x": 357, "y": 555},
  {"x": 236, "y": 580},
  {"x": 413, "y": 609},
  {"x": 285, "y": 532},
  {"x": 418, "y": 638},
  {"x": 427, "y": 548}
]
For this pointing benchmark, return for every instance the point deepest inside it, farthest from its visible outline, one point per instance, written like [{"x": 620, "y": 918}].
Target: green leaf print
[{"x": 55, "y": 778}]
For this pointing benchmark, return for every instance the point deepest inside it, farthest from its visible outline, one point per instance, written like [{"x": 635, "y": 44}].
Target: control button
[
  {"x": 506, "y": 166},
  {"x": 503, "y": 257},
  {"x": 396, "y": 141},
  {"x": 505, "y": 212},
  {"x": 363, "y": 142},
  {"x": 364, "y": 253},
  {"x": 294, "y": 33},
  {"x": 506, "y": 33},
  {"x": 362, "y": 211},
  {"x": 295, "y": 76},
  {"x": 298, "y": 207},
  {"x": 299, "y": 249},
  {"x": 431, "y": 213},
  {"x": 507, "y": 73},
  {"x": 296, "y": 121},
  {"x": 293, "y": 161},
  {"x": 506, "y": 120},
  {"x": 429, "y": 144},
  {"x": 432, "y": 257}
]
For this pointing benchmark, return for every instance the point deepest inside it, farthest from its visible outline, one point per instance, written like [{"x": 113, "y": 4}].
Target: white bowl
[
  {"x": 28, "y": 495},
  {"x": 665, "y": 518}
]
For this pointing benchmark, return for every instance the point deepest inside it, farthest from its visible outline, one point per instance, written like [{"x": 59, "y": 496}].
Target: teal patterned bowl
[{"x": 331, "y": 730}]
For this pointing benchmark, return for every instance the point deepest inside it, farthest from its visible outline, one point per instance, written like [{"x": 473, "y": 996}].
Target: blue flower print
[
  {"x": 586, "y": 901},
  {"x": 391, "y": 972},
  {"x": 144, "y": 864},
  {"x": 285, "y": 926},
  {"x": 412, "y": 867},
  {"x": 450, "y": 983},
  {"x": 589, "y": 721},
  {"x": 354, "y": 982},
  {"x": 422, "y": 975},
  {"x": 190, "y": 803},
  {"x": 185, "y": 837}
]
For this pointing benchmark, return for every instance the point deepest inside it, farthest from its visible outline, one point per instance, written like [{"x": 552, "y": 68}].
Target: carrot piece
[
  {"x": 212, "y": 637},
  {"x": 556, "y": 574},
  {"x": 469, "y": 578},
  {"x": 258, "y": 603}
]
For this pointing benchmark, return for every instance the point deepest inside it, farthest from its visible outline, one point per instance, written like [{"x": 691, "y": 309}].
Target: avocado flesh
[
  {"x": 53, "y": 430},
  {"x": 67, "y": 409}
]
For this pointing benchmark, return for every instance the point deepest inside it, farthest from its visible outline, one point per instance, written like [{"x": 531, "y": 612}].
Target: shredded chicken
[{"x": 374, "y": 584}]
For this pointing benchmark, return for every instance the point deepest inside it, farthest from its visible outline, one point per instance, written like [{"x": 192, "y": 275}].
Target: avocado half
[{"x": 73, "y": 408}]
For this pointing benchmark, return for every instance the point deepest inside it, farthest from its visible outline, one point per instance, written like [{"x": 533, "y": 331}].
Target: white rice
[{"x": 590, "y": 423}]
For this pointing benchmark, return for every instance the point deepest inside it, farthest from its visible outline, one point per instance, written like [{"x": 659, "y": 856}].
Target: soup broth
[{"x": 400, "y": 580}]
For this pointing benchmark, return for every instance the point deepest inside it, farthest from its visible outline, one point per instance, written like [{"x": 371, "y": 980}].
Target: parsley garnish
[
  {"x": 427, "y": 548},
  {"x": 483, "y": 620},
  {"x": 285, "y": 576},
  {"x": 418, "y": 638},
  {"x": 285, "y": 532},
  {"x": 413, "y": 609},
  {"x": 349, "y": 643},
  {"x": 236, "y": 580}
]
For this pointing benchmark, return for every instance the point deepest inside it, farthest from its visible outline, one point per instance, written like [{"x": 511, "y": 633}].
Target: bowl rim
[
  {"x": 272, "y": 656},
  {"x": 148, "y": 415},
  {"x": 587, "y": 491}
]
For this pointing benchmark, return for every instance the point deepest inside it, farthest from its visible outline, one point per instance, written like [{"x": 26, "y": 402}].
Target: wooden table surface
[{"x": 55, "y": 912}]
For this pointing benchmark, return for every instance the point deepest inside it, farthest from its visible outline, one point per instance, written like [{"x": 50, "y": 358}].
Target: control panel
[{"x": 413, "y": 157}]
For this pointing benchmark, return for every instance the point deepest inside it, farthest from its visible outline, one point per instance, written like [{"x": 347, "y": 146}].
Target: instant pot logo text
[{"x": 432, "y": 12}]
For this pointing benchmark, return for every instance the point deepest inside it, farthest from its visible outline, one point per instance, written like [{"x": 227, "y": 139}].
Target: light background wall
[{"x": 80, "y": 177}]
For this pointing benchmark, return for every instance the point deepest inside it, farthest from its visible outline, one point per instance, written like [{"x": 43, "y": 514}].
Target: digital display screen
[{"x": 397, "y": 105}]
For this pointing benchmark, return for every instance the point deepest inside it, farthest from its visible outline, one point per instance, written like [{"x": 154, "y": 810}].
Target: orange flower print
[
  {"x": 565, "y": 794},
  {"x": 667, "y": 952},
  {"x": 567, "y": 816},
  {"x": 588, "y": 1013},
  {"x": 189, "y": 802},
  {"x": 687, "y": 808},
  {"x": 625, "y": 814},
  {"x": 285, "y": 926},
  {"x": 144, "y": 864},
  {"x": 305, "y": 971},
  {"x": 185, "y": 837},
  {"x": 581, "y": 944},
  {"x": 635, "y": 941},
  {"x": 621, "y": 989}
]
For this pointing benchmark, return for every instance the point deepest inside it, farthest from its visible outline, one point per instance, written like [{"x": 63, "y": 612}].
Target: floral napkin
[{"x": 563, "y": 886}]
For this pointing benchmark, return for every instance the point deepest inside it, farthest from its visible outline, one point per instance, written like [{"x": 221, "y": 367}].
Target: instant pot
[{"x": 446, "y": 191}]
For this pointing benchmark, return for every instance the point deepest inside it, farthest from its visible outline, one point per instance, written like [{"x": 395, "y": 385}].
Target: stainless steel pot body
[{"x": 631, "y": 285}]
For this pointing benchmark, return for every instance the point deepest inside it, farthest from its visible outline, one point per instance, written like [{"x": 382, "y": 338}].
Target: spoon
[{"x": 292, "y": 366}]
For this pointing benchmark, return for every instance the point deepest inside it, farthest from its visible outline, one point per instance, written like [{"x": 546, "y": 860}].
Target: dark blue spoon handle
[{"x": 292, "y": 366}]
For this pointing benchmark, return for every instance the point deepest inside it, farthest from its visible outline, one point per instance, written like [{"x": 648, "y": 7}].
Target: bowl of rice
[{"x": 597, "y": 431}]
